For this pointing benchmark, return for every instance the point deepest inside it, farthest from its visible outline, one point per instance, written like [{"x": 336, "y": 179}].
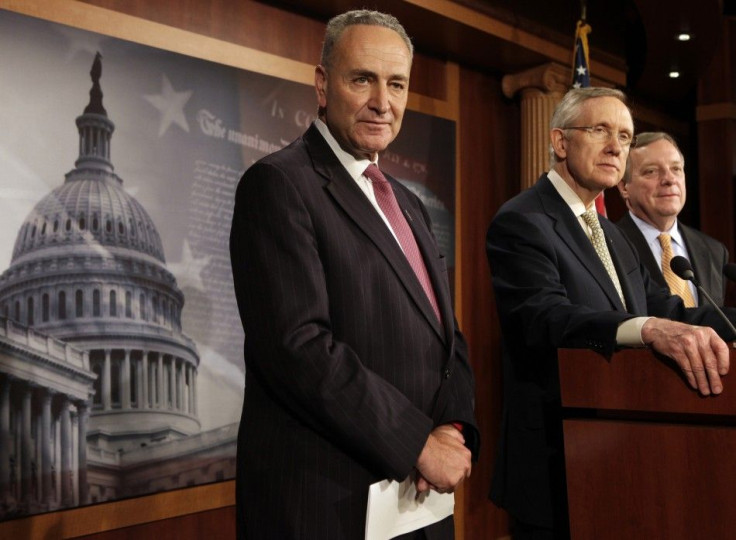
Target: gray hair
[
  {"x": 568, "y": 110},
  {"x": 645, "y": 139},
  {"x": 338, "y": 24}
]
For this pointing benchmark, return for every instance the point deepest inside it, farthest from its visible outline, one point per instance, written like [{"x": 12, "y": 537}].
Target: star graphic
[
  {"x": 577, "y": 85},
  {"x": 581, "y": 70},
  {"x": 171, "y": 106},
  {"x": 188, "y": 271}
]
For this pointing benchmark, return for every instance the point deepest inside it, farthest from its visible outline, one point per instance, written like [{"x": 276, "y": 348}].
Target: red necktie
[{"x": 387, "y": 201}]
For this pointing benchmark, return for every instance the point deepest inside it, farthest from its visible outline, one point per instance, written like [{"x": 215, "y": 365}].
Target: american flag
[{"x": 580, "y": 71}]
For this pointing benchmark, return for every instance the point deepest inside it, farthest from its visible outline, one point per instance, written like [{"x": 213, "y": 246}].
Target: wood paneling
[
  {"x": 642, "y": 463},
  {"x": 127, "y": 513},
  {"x": 213, "y": 525},
  {"x": 717, "y": 144},
  {"x": 489, "y": 141}
]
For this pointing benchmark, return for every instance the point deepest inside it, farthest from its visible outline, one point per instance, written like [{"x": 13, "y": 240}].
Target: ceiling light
[
  {"x": 674, "y": 74},
  {"x": 683, "y": 37}
]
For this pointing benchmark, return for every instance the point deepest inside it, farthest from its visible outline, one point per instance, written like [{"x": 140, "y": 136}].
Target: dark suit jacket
[
  {"x": 707, "y": 257},
  {"x": 347, "y": 366},
  {"x": 552, "y": 291}
]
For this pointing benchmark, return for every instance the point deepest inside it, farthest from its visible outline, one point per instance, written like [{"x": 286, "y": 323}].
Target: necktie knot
[
  {"x": 374, "y": 174},
  {"x": 590, "y": 217}
]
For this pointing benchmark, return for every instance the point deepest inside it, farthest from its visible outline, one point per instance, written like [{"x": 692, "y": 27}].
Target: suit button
[{"x": 447, "y": 373}]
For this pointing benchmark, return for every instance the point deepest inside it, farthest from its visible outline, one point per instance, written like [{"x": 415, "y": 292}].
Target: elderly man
[
  {"x": 563, "y": 277},
  {"x": 356, "y": 369},
  {"x": 654, "y": 190}
]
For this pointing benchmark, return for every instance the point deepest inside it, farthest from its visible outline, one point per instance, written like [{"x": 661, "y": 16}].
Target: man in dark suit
[
  {"x": 356, "y": 369},
  {"x": 554, "y": 288},
  {"x": 654, "y": 189}
]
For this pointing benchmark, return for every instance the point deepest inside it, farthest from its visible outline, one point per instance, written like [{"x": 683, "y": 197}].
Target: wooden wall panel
[
  {"x": 489, "y": 140},
  {"x": 716, "y": 117},
  {"x": 216, "y": 524}
]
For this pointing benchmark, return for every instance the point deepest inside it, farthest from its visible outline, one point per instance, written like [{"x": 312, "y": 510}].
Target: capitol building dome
[{"x": 88, "y": 268}]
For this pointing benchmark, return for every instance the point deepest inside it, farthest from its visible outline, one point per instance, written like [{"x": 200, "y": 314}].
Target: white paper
[{"x": 394, "y": 509}]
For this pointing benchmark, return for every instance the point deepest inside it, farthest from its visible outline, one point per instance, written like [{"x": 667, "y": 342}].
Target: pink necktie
[{"x": 387, "y": 201}]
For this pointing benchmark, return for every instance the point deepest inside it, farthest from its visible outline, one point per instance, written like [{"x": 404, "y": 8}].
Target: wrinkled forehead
[
  {"x": 607, "y": 111},
  {"x": 659, "y": 152}
]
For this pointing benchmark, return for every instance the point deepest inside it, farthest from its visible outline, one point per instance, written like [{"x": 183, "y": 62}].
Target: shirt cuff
[{"x": 628, "y": 333}]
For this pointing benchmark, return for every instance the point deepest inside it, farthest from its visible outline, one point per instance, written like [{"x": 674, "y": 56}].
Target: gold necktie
[
  {"x": 598, "y": 240},
  {"x": 677, "y": 285}
]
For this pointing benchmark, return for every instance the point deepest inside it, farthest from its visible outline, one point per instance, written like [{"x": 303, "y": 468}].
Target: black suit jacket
[
  {"x": 347, "y": 366},
  {"x": 707, "y": 257},
  {"x": 552, "y": 291}
]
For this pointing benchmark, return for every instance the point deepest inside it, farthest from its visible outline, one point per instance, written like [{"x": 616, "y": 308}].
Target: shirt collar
[
  {"x": 651, "y": 233},
  {"x": 355, "y": 167},
  {"x": 572, "y": 199}
]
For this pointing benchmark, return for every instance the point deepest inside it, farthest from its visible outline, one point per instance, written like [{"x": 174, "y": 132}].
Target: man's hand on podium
[{"x": 700, "y": 353}]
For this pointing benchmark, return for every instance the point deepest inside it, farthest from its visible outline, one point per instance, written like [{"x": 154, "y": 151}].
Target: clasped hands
[
  {"x": 445, "y": 461},
  {"x": 700, "y": 353}
]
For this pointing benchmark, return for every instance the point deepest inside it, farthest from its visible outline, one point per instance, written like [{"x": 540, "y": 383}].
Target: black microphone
[
  {"x": 729, "y": 270},
  {"x": 681, "y": 267}
]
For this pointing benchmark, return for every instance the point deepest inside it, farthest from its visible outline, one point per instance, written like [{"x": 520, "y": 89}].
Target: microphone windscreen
[
  {"x": 729, "y": 270},
  {"x": 681, "y": 267}
]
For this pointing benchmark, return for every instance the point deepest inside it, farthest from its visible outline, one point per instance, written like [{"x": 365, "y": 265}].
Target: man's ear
[
  {"x": 623, "y": 189},
  {"x": 320, "y": 86},
  {"x": 559, "y": 143}
]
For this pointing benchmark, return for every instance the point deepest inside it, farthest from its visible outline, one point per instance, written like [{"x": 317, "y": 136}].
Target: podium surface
[{"x": 646, "y": 455}]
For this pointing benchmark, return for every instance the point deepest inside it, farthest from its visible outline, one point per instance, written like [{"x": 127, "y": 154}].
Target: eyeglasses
[{"x": 602, "y": 133}]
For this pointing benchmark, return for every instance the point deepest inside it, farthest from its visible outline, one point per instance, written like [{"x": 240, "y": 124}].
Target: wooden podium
[{"x": 647, "y": 457}]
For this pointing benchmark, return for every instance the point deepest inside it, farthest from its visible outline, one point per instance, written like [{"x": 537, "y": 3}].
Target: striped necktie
[
  {"x": 676, "y": 284},
  {"x": 390, "y": 207}
]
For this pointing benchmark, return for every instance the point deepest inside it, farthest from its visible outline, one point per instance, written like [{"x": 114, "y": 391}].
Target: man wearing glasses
[{"x": 565, "y": 277}]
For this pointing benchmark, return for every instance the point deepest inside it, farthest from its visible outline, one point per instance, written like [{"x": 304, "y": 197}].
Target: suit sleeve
[
  {"x": 532, "y": 294},
  {"x": 283, "y": 300}
]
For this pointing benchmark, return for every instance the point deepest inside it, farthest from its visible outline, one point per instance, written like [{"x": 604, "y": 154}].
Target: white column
[
  {"x": 106, "y": 376},
  {"x": 172, "y": 382},
  {"x": 143, "y": 396},
  {"x": 67, "y": 493},
  {"x": 26, "y": 451},
  {"x": 5, "y": 439},
  {"x": 83, "y": 418},
  {"x": 195, "y": 403},
  {"x": 181, "y": 389},
  {"x": 46, "y": 458},
  {"x": 161, "y": 403},
  {"x": 125, "y": 379},
  {"x": 190, "y": 396}
]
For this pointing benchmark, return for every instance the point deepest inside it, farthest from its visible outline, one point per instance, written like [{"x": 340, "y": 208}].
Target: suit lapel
[
  {"x": 699, "y": 257},
  {"x": 571, "y": 233},
  {"x": 645, "y": 252},
  {"x": 346, "y": 193},
  {"x": 618, "y": 247}
]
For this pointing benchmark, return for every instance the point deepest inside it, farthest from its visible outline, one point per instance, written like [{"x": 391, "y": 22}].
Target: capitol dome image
[{"x": 98, "y": 381}]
